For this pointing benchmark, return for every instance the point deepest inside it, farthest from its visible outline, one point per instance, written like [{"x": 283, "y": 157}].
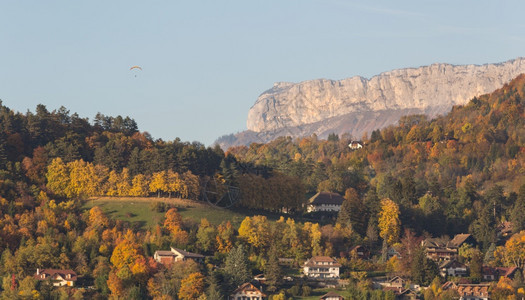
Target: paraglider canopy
[{"x": 135, "y": 67}]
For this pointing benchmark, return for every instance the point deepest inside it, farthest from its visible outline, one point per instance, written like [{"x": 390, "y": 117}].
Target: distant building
[
  {"x": 354, "y": 145},
  {"x": 58, "y": 277},
  {"x": 473, "y": 291},
  {"x": 325, "y": 201},
  {"x": 452, "y": 268},
  {"x": 321, "y": 267},
  {"x": 170, "y": 256},
  {"x": 247, "y": 291},
  {"x": 460, "y": 239},
  {"x": 495, "y": 273},
  {"x": 396, "y": 282},
  {"x": 440, "y": 251},
  {"x": 331, "y": 296}
]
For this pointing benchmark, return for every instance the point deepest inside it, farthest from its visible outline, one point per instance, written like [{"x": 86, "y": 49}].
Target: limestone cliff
[{"x": 357, "y": 104}]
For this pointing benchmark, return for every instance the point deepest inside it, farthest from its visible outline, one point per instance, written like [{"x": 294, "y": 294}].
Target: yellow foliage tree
[
  {"x": 255, "y": 231},
  {"x": 191, "y": 287},
  {"x": 389, "y": 223},
  {"x": 57, "y": 177},
  {"x": 140, "y": 186},
  {"x": 123, "y": 186},
  {"x": 158, "y": 183},
  {"x": 513, "y": 253},
  {"x": 173, "y": 223},
  {"x": 127, "y": 259}
]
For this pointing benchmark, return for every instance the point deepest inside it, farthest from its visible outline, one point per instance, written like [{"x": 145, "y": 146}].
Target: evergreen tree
[
  {"x": 483, "y": 228},
  {"x": 236, "y": 267},
  {"x": 423, "y": 270},
  {"x": 272, "y": 270},
  {"x": 517, "y": 215}
]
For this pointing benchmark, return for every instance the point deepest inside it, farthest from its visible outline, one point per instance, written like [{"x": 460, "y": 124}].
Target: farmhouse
[
  {"x": 58, "y": 277},
  {"x": 325, "y": 201},
  {"x": 321, "y": 267},
  {"x": 167, "y": 257}
]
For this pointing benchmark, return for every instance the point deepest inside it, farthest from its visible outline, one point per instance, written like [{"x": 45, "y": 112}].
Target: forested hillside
[
  {"x": 459, "y": 173},
  {"x": 448, "y": 175}
]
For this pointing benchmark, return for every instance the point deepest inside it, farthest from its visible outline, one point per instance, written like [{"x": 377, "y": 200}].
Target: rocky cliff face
[
  {"x": 357, "y": 104},
  {"x": 435, "y": 88}
]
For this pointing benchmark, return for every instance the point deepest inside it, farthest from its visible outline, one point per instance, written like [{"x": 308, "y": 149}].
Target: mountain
[{"x": 357, "y": 105}]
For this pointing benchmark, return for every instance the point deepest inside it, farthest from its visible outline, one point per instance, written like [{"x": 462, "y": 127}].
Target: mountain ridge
[{"x": 320, "y": 105}]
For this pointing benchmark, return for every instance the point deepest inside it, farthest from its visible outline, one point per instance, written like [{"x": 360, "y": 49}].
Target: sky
[{"x": 204, "y": 63}]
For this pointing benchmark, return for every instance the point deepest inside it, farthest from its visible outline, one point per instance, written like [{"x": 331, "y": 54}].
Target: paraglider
[{"x": 135, "y": 68}]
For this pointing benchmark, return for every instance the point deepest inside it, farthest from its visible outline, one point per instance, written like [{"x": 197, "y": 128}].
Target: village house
[
  {"x": 331, "y": 296},
  {"x": 440, "y": 251},
  {"x": 461, "y": 239},
  {"x": 173, "y": 255},
  {"x": 325, "y": 201},
  {"x": 473, "y": 291},
  {"x": 495, "y": 273},
  {"x": 57, "y": 277},
  {"x": 247, "y": 291},
  {"x": 321, "y": 267},
  {"x": 396, "y": 282},
  {"x": 391, "y": 252},
  {"x": 452, "y": 268}
]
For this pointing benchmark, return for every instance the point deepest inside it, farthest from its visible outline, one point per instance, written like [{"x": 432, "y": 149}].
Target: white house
[
  {"x": 321, "y": 267},
  {"x": 354, "y": 145},
  {"x": 325, "y": 201}
]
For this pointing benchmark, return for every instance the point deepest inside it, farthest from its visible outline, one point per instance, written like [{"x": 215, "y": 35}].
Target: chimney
[{"x": 37, "y": 271}]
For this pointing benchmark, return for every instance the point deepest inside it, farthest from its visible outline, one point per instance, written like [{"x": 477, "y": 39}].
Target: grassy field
[{"x": 139, "y": 212}]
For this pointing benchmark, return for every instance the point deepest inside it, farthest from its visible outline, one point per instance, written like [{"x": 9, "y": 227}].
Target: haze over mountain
[{"x": 359, "y": 105}]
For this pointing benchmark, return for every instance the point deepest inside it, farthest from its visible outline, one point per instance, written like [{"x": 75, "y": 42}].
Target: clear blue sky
[{"x": 205, "y": 62}]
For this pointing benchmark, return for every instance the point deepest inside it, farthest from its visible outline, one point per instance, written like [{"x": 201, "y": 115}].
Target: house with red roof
[
  {"x": 169, "y": 256},
  {"x": 57, "y": 277}
]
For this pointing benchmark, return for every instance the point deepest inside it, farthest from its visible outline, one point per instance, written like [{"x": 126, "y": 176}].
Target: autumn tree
[
  {"x": 206, "y": 236},
  {"x": 158, "y": 183},
  {"x": 389, "y": 223},
  {"x": 173, "y": 223},
  {"x": 513, "y": 253},
  {"x": 58, "y": 177},
  {"x": 192, "y": 287},
  {"x": 129, "y": 264},
  {"x": 255, "y": 231},
  {"x": 139, "y": 186},
  {"x": 225, "y": 237}
]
